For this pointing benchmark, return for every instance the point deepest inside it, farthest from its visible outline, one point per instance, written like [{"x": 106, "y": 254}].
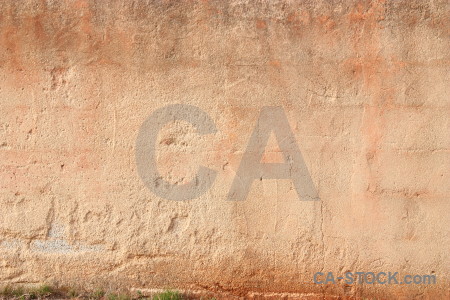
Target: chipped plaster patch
[
  {"x": 11, "y": 244},
  {"x": 55, "y": 243}
]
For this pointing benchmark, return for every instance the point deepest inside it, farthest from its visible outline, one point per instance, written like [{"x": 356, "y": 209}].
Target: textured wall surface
[{"x": 364, "y": 85}]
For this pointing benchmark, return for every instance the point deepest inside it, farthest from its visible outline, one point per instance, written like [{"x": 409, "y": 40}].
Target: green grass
[
  {"x": 72, "y": 293},
  {"x": 168, "y": 295},
  {"x": 48, "y": 292},
  {"x": 21, "y": 293},
  {"x": 98, "y": 294},
  {"x": 10, "y": 292},
  {"x": 44, "y": 291},
  {"x": 118, "y": 297}
]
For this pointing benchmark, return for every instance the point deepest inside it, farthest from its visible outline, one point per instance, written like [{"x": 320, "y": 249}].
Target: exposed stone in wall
[{"x": 364, "y": 85}]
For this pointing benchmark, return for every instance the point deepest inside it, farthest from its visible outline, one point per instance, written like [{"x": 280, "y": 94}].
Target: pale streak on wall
[{"x": 365, "y": 85}]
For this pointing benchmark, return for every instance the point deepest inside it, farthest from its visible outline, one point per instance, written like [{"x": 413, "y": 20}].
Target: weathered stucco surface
[{"x": 365, "y": 87}]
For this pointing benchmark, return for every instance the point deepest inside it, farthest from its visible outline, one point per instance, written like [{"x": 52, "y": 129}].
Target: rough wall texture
[{"x": 365, "y": 87}]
